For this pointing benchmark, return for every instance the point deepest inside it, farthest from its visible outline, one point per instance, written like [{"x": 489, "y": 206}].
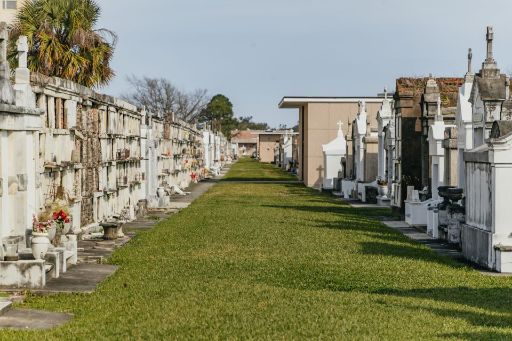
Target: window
[{"x": 9, "y": 4}]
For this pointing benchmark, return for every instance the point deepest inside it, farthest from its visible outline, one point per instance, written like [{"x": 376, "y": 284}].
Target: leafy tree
[
  {"x": 246, "y": 122},
  {"x": 63, "y": 41},
  {"x": 219, "y": 112}
]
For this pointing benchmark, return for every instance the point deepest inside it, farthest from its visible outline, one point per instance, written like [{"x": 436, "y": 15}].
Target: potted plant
[
  {"x": 40, "y": 242},
  {"x": 382, "y": 184}
]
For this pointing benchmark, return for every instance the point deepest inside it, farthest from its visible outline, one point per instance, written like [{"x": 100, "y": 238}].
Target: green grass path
[{"x": 280, "y": 261}]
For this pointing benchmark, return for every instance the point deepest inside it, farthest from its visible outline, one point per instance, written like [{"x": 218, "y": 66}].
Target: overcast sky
[{"x": 257, "y": 51}]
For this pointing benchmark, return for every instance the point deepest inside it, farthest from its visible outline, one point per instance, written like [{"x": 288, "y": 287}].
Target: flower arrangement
[
  {"x": 382, "y": 182},
  {"x": 39, "y": 226},
  {"x": 60, "y": 218}
]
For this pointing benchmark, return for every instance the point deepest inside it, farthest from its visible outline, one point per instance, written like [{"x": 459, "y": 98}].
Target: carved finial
[
  {"x": 489, "y": 37},
  {"x": 385, "y": 93},
  {"x": 470, "y": 58}
]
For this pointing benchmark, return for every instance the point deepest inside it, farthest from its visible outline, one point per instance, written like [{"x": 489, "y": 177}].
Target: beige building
[
  {"x": 9, "y": 8},
  {"x": 269, "y": 146},
  {"x": 318, "y": 118},
  {"x": 247, "y": 141}
]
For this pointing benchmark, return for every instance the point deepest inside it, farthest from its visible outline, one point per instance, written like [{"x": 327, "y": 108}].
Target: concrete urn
[
  {"x": 40, "y": 244},
  {"x": 383, "y": 190}
]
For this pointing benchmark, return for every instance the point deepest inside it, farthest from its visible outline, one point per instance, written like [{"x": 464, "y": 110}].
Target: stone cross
[
  {"x": 470, "y": 58},
  {"x": 22, "y": 45},
  {"x": 6, "y": 89},
  {"x": 490, "y": 37}
]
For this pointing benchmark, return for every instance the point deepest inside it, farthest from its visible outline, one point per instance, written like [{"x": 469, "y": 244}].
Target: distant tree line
[{"x": 160, "y": 96}]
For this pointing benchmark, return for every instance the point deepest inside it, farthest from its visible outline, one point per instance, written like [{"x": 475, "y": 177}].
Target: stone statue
[{"x": 6, "y": 89}]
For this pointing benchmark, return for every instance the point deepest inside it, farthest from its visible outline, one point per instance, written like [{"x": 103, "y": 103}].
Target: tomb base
[
  {"x": 383, "y": 201},
  {"x": 30, "y": 274},
  {"x": 416, "y": 213}
]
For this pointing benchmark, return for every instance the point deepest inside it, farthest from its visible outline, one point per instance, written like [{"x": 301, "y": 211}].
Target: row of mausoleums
[
  {"x": 72, "y": 160},
  {"x": 439, "y": 151}
]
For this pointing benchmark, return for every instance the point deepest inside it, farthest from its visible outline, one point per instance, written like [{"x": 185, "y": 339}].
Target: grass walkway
[
  {"x": 280, "y": 261},
  {"x": 247, "y": 169}
]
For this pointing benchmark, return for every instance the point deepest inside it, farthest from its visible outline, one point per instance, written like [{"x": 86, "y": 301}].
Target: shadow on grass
[
  {"x": 371, "y": 213},
  {"x": 411, "y": 252},
  {"x": 493, "y": 306},
  {"x": 262, "y": 179}
]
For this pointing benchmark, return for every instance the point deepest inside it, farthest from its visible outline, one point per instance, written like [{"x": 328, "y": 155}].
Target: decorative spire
[
  {"x": 470, "y": 58},
  {"x": 489, "y": 37}
]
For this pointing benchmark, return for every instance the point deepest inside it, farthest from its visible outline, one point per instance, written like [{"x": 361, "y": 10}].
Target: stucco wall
[
  {"x": 268, "y": 144},
  {"x": 321, "y": 127}
]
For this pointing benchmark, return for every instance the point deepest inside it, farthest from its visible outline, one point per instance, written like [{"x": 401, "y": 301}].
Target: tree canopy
[
  {"x": 63, "y": 41},
  {"x": 244, "y": 123},
  {"x": 219, "y": 112}
]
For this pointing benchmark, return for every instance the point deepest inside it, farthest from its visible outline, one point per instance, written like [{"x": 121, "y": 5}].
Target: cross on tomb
[
  {"x": 22, "y": 45},
  {"x": 489, "y": 37}
]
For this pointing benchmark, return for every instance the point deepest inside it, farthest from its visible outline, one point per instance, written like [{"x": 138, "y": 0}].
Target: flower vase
[
  {"x": 67, "y": 228},
  {"x": 40, "y": 244}
]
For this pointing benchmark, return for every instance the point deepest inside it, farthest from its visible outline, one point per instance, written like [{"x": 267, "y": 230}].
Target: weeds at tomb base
[{"x": 280, "y": 261}]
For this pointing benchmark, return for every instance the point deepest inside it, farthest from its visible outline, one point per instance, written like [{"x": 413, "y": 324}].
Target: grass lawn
[
  {"x": 280, "y": 261},
  {"x": 247, "y": 169}
]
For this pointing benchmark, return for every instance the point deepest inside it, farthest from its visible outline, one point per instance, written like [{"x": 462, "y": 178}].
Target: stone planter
[
  {"x": 110, "y": 230},
  {"x": 40, "y": 244},
  {"x": 383, "y": 190}
]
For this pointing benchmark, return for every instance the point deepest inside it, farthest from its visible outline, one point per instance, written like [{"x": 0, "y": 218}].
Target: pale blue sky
[{"x": 257, "y": 51}]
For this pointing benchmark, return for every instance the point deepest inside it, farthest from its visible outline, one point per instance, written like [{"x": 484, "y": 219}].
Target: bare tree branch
[{"x": 161, "y": 97}]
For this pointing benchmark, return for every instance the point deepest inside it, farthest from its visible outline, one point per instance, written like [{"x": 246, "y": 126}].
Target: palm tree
[{"x": 63, "y": 41}]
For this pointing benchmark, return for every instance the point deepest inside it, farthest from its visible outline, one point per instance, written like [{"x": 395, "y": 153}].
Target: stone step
[{"x": 5, "y": 306}]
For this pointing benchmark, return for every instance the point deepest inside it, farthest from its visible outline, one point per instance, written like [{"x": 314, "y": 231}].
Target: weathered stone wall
[{"x": 92, "y": 150}]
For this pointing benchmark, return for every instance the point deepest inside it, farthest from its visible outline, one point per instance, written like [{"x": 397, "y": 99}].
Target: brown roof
[
  {"x": 246, "y": 136},
  {"x": 448, "y": 87}
]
